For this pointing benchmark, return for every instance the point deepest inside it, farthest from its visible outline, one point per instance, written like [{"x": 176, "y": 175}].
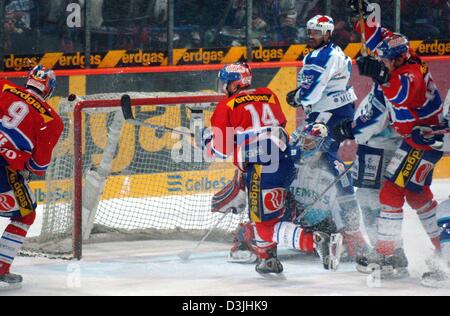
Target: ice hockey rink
[{"x": 154, "y": 268}]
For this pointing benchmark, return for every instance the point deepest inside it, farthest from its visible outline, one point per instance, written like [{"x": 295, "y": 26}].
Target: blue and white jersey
[
  {"x": 372, "y": 123},
  {"x": 324, "y": 79}
]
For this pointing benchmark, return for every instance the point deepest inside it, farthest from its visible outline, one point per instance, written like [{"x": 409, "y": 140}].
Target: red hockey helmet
[
  {"x": 43, "y": 80},
  {"x": 235, "y": 77}
]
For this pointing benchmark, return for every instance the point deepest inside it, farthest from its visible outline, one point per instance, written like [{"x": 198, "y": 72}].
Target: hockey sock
[
  {"x": 370, "y": 217},
  {"x": 427, "y": 215},
  {"x": 389, "y": 230},
  {"x": 12, "y": 240},
  {"x": 289, "y": 235}
]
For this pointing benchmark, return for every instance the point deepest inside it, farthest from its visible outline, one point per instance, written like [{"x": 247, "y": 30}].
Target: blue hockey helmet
[{"x": 392, "y": 46}]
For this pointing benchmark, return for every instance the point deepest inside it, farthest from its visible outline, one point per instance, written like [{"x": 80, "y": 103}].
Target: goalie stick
[
  {"x": 186, "y": 254},
  {"x": 125, "y": 103}
]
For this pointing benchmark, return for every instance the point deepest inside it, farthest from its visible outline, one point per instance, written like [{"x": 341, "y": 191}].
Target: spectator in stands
[
  {"x": 444, "y": 18},
  {"x": 420, "y": 19},
  {"x": 19, "y": 34},
  {"x": 278, "y": 18},
  {"x": 18, "y": 16},
  {"x": 344, "y": 31},
  {"x": 306, "y": 9}
]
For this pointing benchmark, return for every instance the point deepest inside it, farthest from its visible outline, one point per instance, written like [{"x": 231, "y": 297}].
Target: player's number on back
[
  {"x": 16, "y": 113},
  {"x": 267, "y": 118}
]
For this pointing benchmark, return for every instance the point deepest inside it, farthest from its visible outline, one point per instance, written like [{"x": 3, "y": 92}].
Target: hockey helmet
[
  {"x": 321, "y": 23},
  {"x": 234, "y": 77},
  {"x": 392, "y": 47},
  {"x": 43, "y": 80},
  {"x": 312, "y": 139}
]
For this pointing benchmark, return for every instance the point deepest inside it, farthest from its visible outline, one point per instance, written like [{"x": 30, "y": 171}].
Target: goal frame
[{"x": 80, "y": 106}]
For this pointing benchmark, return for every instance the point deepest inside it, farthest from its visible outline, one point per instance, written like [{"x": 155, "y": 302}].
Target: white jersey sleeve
[
  {"x": 324, "y": 79},
  {"x": 372, "y": 118}
]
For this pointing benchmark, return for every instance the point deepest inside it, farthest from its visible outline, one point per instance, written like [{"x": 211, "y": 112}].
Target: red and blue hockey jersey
[
  {"x": 29, "y": 129},
  {"x": 411, "y": 90},
  {"x": 248, "y": 117}
]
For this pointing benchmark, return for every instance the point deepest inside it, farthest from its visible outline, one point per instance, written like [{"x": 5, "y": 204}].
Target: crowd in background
[{"x": 36, "y": 26}]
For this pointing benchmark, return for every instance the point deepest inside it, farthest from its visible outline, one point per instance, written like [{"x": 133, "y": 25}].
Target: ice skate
[
  {"x": 329, "y": 249},
  {"x": 438, "y": 276},
  {"x": 10, "y": 281},
  {"x": 389, "y": 267},
  {"x": 270, "y": 264},
  {"x": 436, "y": 279}
]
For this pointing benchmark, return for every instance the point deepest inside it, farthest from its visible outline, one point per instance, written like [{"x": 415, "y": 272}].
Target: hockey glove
[
  {"x": 367, "y": 8},
  {"x": 343, "y": 131},
  {"x": 371, "y": 67},
  {"x": 419, "y": 136},
  {"x": 292, "y": 100}
]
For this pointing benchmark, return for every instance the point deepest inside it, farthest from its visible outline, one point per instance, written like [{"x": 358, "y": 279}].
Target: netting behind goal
[{"x": 136, "y": 182}]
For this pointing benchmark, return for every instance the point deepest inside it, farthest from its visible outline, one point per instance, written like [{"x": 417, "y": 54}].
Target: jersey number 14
[{"x": 266, "y": 119}]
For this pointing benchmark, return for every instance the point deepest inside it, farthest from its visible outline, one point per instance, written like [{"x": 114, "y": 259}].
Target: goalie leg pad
[
  {"x": 232, "y": 197},
  {"x": 243, "y": 249}
]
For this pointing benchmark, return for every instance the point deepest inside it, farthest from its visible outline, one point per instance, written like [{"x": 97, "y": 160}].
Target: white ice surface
[{"x": 153, "y": 268}]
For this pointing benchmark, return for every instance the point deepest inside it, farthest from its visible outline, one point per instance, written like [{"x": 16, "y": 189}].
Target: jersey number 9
[{"x": 16, "y": 114}]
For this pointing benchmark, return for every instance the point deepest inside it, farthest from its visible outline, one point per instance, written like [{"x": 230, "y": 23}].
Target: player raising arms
[
  {"x": 415, "y": 109},
  {"x": 29, "y": 130},
  {"x": 249, "y": 125}
]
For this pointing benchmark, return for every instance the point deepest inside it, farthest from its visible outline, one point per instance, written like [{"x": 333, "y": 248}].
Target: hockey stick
[
  {"x": 125, "y": 103},
  {"x": 187, "y": 253},
  {"x": 439, "y": 132},
  {"x": 332, "y": 184},
  {"x": 363, "y": 28}
]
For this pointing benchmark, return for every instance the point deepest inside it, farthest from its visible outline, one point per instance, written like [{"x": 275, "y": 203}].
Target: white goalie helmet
[{"x": 321, "y": 23}]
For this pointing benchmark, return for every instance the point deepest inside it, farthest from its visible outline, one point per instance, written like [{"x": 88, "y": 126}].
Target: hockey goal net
[{"x": 112, "y": 180}]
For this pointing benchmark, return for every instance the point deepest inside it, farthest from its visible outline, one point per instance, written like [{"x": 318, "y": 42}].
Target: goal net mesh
[{"x": 139, "y": 182}]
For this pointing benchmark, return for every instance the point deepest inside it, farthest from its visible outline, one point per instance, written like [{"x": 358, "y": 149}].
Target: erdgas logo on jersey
[
  {"x": 255, "y": 195},
  {"x": 20, "y": 192},
  {"x": 253, "y": 98},
  {"x": 30, "y": 100}
]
